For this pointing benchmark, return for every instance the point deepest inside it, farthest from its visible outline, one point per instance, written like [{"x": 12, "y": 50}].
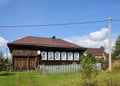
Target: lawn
[{"x": 68, "y": 79}]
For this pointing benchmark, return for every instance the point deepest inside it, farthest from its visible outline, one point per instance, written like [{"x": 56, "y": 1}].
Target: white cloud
[
  {"x": 92, "y": 40},
  {"x": 84, "y": 41},
  {"x": 3, "y": 42},
  {"x": 3, "y": 45},
  {"x": 7, "y": 55},
  {"x": 99, "y": 35}
]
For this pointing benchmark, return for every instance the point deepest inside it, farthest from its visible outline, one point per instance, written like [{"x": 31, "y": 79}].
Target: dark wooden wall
[
  {"x": 25, "y": 63},
  {"x": 28, "y": 59},
  {"x": 24, "y": 59},
  {"x": 23, "y": 52}
]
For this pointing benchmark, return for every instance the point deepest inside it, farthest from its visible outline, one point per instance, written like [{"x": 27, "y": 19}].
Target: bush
[
  {"x": 117, "y": 57},
  {"x": 117, "y": 68},
  {"x": 88, "y": 64},
  {"x": 104, "y": 63}
]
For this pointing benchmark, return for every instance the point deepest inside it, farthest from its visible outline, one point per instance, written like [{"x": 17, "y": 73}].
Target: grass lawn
[{"x": 69, "y": 79}]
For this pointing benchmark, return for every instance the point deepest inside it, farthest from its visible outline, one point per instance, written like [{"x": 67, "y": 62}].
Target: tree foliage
[
  {"x": 88, "y": 64},
  {"x": 116, "y": 50},
  {"x": 1, "y": 57},
  {"x": 102, "y": 48}
]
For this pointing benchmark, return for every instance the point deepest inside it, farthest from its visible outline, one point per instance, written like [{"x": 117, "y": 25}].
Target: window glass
[
  {"x": 76, "y": 56},
  {"x": 63, "y": 56},
  {"x": 70, "y": 56},
  {"x": 50, "y": 55},
  {"x": 57, "y": 55},
  {"x": 44, "y": 55}
]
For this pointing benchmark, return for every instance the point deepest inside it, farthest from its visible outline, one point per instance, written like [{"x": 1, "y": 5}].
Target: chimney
[{"x": 53, "y": 37}]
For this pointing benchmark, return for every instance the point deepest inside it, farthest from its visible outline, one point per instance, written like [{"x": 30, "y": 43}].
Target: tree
[
  {"x": 89, "y": 69},
  {"x": 1, "y": 57},
  {"x": 88, "y": 64},
  {"x": 116, "y": 51},
  {"x": 102, "y": 48}
]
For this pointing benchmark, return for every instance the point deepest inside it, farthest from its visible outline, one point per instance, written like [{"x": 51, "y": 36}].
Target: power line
[
  {"x": 45, "y": 25},
  {"x": 115, "y": 20}
]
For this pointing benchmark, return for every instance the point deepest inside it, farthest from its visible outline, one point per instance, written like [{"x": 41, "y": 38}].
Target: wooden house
[
  {"x": 97, "y": 52},
  {"x": 30, "y": 52}
]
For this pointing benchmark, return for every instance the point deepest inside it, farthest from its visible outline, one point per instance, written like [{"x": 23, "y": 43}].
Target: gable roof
[
  {"x": 45, "y": 42},
  {"x": 95, "y": 51}
]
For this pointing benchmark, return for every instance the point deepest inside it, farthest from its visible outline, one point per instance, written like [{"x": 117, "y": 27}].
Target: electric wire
[
  {"x": 46, "y": 25},
  {"x": 115, "y": 20}
]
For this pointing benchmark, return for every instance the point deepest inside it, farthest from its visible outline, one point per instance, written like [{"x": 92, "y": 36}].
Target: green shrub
[
  {"x": 116, "y": 68},
  {"x": 104, "y": 63},
  {"x": 88, "y": 64}
]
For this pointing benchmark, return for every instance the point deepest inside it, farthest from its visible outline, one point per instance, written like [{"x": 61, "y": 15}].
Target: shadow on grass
[{"x": 7, "y": 74}]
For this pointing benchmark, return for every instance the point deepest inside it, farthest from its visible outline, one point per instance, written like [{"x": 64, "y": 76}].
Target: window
[
  {"x": 44, "y": 55},
  {"x": 70, "y": 56},
  {"x": 50, "y": 55},
  {"x": 76, "y": 56},
  {"x": 57, "y": 55},
  {"x": 63, "y": 56}
]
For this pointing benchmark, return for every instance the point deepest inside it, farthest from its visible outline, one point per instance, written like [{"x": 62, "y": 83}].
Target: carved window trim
[
  {"x": 57, "y": 55},
  {"x": 76, "y": 56},
  {"x": 50, "y": 55},
  {"x": 44, "y": 55},
  {"x": 70, "y": 56},
  {"x": 63, "y": 56}
]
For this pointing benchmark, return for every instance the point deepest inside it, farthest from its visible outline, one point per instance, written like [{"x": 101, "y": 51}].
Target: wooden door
[
  {"x": 32, "y": 63},
  {"x": 24, "y": 64}
]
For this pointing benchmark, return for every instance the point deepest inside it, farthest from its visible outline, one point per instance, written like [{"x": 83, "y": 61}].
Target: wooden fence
[{"x": 55, "y": 69}]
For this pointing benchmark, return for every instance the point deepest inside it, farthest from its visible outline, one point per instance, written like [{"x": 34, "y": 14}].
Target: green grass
[{"x": 69, "y": 79}]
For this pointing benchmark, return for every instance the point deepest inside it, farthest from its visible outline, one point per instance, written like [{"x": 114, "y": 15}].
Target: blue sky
[{"x": 32, "y": 12}]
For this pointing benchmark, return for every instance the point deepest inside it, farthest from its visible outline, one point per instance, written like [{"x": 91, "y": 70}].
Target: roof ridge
[{"x": 42, "y": 37}]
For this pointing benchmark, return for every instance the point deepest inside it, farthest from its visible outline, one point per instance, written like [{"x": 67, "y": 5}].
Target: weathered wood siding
[
  {"x": 25, "y": 63},
  {"x": 24, "y": 59},
  {"x": 29, "y": 59},
  {"x": 23, "y": 52}
]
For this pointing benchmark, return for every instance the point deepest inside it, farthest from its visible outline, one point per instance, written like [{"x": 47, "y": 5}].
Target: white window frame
[
  {"x": 50, "y": 55},
  {"x": 76, "y": 56},
  {"x": 44, "y": 55},
  {"x": 70, "y": 56},
  {"x": 63, "y": 56},
  {"x": 57, "y": 55}
]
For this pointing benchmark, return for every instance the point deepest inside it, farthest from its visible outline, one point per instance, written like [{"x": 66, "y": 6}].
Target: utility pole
[{"x": 109, "y": 37}]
